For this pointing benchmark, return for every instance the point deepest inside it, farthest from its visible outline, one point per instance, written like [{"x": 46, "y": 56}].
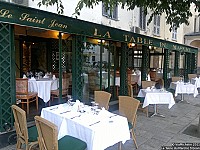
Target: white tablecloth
[
  {"x": 156, "y": 96},
  {"x": 184, "y": 88},
  {"x": 109, "y": 131},
  {"x": 196, "y": 82},
  {"x": 43, "y": 87}
]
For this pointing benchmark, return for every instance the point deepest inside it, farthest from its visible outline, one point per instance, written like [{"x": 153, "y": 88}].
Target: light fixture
[
  {"x": 150, "y": 47},
  {"x": 132, "y": 44},
  {"x": 101, "y": 41}
]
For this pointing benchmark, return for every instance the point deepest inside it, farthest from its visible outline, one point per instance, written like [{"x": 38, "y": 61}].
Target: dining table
[
  {"x": 183, "y": 88},
  {"x": 155, "y": 97},
  {"x": 43, "y": 87},
  {"x": 98, "y": 128}
]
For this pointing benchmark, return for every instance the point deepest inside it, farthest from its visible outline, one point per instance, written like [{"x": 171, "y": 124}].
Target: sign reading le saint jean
[
  {"x": 4, "y": 13},
  {"x": 41, "y": 19}
]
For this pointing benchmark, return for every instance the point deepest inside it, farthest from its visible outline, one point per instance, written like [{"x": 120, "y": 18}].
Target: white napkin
[
  {"x": 148, "y": 89},
  {"x": 54, "y": 77},
  {"x": 24, "y": 76},
  {"x": 45, "y": 76},
  {"x": 148, "y": 78},
  {"x": 76, "y": 105},
  {"x": 32, "y": 78}
]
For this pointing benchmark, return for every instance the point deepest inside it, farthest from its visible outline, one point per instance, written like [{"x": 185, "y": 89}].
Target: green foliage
[{"x": 177, "y": 11}]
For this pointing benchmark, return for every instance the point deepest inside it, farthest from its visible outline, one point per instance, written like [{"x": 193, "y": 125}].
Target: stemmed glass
[{"x": 69, "y": 100}]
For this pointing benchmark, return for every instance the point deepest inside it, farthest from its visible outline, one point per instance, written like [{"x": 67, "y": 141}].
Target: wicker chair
[
  {"x": 146, "y": 84},
  {"x": 25, "y": 136},
  {"x": 128, "y": 108},
  {"x": 102, "y": 98},
  {"x": 141, "y": 99},
  {"x": 190, "y": 76},
  {"x": 48, "y": 137},
  {"x": 175, "y": 79},
  {"x": 65, "y": 86},
  {"x": 23, "y": 94}
]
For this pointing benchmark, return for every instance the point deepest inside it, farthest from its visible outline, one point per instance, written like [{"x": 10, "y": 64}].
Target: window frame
[
  {"x": 142, "y": 19},
  {"x": 156, "y": 25},
  {"x": 107, "y": 13},
  {"x": 174, "y": 32}
]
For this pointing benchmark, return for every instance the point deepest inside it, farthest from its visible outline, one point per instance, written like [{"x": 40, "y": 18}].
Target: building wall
[{"x": 126, "y": 19}]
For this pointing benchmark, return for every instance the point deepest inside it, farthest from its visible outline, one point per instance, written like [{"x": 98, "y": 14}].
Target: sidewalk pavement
[{"x": 178, "y": 126}]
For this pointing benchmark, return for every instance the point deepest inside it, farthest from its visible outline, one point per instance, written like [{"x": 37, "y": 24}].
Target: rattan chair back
[
  {"x": 23, "y": 94},
  {"x": 21, "y": 128},
  {"x": 190, "y": 76},
  {"x": 65, "y": 87},
  {"x": 146, "y": 84},
  {"x": 47, "y": 134},
  {"x": 128, "y": 107},
  {"x": 130, "y": 90},
  {"x": 102, "y": 98},
  {"x": 175, "y": 79}
]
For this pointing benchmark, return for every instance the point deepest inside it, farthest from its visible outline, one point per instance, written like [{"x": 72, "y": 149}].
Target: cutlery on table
[
  {"x": 113, "y": 116},
  {"x": 94, "y": 123},
  {"x": 75, "y": 116},
  {"x": 53, "y": 108},
  {"x": 65, "y": 112}
]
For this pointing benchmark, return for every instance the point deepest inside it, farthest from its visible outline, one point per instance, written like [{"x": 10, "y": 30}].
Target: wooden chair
[
  {"x": 102, "y": 98},
  {"x": 23, "y": 94},
  {"x": 65, "y": 86},
  {"x": 190, "y": 76},
  {"x": 146, "y": 84},
  {"x": 25, "y": 136},
  {"x": 175, "y": 79},
  {"x": 141, "y": 99},
  {"x": 128, "y": 108},
  {"x": 48, "y": 137}
]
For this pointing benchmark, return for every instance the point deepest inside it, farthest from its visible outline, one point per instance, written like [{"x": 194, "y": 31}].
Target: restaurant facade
[{"x": 32, "y": 39}]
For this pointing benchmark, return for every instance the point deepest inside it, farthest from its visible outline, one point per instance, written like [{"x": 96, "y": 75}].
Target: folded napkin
[
  {"x": 45, "y": 76},
  {"x": 148, "y": 78},
  {"x": 76, "y": 105},
  {"x": 32, "y": 78},
  {"x": 54, "y": 77},
  {"x": 24, "y": 76},
  {"x": 148, "y": 89}
]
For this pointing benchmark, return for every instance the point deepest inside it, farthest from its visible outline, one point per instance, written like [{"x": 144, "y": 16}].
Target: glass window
[
  {"x": 156, "y": 27},
  {"x": 174, "y": 33},
  {"x": 113, "y": 14},
  {"x": 142, "y": 19},
  {"x": 196, "y": 24}
]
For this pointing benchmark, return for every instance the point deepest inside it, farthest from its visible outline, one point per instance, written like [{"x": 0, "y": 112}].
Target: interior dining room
[{"x": 37, "y": 55}]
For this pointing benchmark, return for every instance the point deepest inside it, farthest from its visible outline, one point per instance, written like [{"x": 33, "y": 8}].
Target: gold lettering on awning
[{"x": 4, "y": 13}]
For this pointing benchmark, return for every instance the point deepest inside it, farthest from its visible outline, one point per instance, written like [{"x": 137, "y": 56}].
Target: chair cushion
[
  {"x": 171, "y": 90},
  {"x": 130, "y": 126},
  {"x": 141, "y": 99},
  {"x": 32, "y": 134},
  {"x": 71, "y": 143}
]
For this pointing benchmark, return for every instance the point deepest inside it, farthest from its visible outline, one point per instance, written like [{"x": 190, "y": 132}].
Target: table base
[
  {"x": 156, "y": 113},
  {"x": 182, "y": 99}
]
